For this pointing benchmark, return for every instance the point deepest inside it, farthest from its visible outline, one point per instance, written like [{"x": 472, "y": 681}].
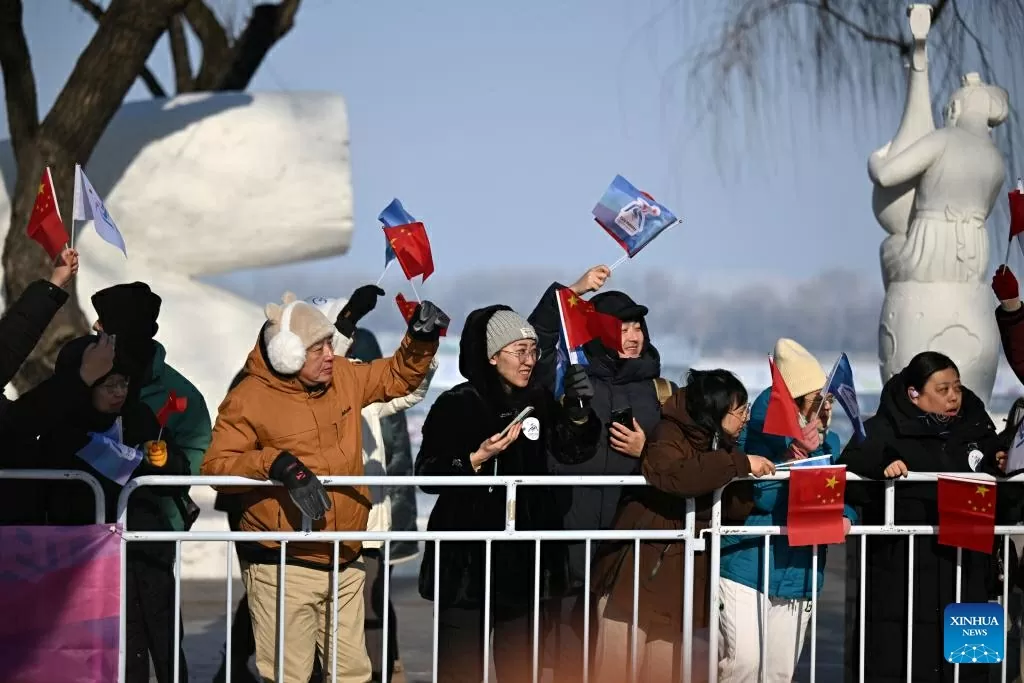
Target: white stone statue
[{"x": 934, "y": 188}]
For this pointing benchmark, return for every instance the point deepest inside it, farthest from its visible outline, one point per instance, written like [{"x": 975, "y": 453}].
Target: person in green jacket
[{"x": 130, "y": 312}]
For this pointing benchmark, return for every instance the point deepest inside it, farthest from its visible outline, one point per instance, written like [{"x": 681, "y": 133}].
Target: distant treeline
[{"x": 836, "y": 309}]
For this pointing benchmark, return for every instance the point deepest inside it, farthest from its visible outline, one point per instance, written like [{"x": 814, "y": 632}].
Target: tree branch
[
  {"x": 19, "y": 80},
  {"x": 267, "y": 25},
  {"x": 825, "y": 6},
  {"x": 96, "y": 12},
  {"x": 214, "y": 39},
  {"x": 183, "y": 81}
]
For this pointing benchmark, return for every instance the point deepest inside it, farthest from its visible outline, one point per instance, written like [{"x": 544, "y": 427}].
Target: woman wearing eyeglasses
[
  {"x": 789, "y": 582},
  {"x": 474, "y": 430},
  {"x": 104, "y": 428},
  {"x": 693, "y": 451}
]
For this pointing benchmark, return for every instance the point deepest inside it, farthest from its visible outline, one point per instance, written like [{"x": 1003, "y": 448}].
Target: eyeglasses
[
  {"x": 522, "y": 355},
  {"x": 742, "y": 411},
  {"x": 115, "y": 386}
]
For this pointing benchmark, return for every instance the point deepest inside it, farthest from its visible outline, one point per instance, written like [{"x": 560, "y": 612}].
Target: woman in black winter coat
[
  {"x": 926, "y": 422},
  {"x": 150, "y": 578},
  {"x": 462, "y": 436}
]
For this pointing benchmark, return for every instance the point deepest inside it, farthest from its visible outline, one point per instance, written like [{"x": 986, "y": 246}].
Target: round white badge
[
  {"x": 531, "y": 428},
  {"x": 974, "y": 459}
]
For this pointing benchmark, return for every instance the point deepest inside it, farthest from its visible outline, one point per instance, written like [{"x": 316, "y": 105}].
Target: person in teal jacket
[
  {"x": 130, "y": 312},
  {"x": 789, "y": 568}
]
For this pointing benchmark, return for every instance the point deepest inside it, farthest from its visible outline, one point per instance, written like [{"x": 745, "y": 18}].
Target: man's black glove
[
  {"x": 427, "y": 321},
  {"x": 362, "y": 301},
  {"x": 578, "y": 392},
  {"x": 308, "y": 494}
]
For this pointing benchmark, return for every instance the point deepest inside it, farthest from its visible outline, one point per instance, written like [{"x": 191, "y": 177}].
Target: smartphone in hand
[
  {"x": 623, "y": 417},
  {"x": 523, "y": 414}
]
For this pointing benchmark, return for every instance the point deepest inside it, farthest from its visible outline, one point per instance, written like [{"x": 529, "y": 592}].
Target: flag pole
[
  {"x": 828, "y": 383},
  {"x": 618, "y": 263},
  {"x": 384, "y": 272},
  {"x": 414, "y": 290}
]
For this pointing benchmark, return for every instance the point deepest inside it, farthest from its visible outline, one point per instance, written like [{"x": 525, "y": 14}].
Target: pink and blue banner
[{"x": 59, "y": 603}]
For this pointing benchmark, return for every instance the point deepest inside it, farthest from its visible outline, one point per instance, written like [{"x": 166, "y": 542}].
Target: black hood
[
  {"x": 69, "y": 362},
  {"x": 475, "y": 366},
  {"x": 908, "y": 420}
]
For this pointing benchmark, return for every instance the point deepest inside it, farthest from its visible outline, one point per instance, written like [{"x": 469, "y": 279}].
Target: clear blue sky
[{"x": 501, "y": 123}]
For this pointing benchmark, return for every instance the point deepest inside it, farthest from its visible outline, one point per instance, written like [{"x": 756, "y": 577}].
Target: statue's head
[{"x": 977, "y": 101}]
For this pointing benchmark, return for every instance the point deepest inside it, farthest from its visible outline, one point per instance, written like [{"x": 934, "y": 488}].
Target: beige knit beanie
[
  {"x": 294, "y": 327},
  {"x": 801, "y": 371}
]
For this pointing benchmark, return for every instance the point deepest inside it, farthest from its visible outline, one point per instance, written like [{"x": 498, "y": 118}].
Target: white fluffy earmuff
[{"x": 286, "y": 351}]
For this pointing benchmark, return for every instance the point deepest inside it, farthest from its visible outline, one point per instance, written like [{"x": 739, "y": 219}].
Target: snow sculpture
[
  {"x": 209, "y": 183},
  {"x": 934, "y": 188}
]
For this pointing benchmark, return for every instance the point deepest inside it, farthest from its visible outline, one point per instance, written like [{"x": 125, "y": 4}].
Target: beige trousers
[
  {"x": 657, "y": 658},
  {"x": 308, "y": 621}
]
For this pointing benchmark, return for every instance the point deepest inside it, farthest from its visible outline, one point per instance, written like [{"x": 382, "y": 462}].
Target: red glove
[
  {"x": 810, "y": 439},
  {"x": 1004, "y": 284}
]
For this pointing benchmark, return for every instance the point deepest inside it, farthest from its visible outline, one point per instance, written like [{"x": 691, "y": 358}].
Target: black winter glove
[
  {"x": 308, "y": 494},
  {"x": 362, "y": 301},
  {"x": 578, "y": 392},
  {"x": 427, "y": 321}
]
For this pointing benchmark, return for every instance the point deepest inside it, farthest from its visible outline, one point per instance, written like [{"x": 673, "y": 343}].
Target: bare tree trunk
[{"x": 94, "y": 91}]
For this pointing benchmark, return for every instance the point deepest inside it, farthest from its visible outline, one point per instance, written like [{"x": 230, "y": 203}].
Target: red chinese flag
[
  {"x": 583, "y": 322},
  {"x": 1016, "y": 212},
  {"x": 815, "y": 515},
  {"x": 45, "y": 225},
  {"x": 967, "y": 513},
  {"x": 407, "y": 308},
  {"x": 174, "y": 404},
  {"x": 782, "y": 418},
  {"x": 412, "y": 249}
]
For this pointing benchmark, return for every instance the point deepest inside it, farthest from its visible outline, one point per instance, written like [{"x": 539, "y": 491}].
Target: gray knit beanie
[{"x": 507, "y": 327}]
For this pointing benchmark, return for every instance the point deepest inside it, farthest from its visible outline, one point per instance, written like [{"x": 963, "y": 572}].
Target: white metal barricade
[
  {"x": 64, "y": 475},
  {"x": 693, "y": 544},
  {"x": 888, "y": 528},
  {"x": 510, "y": 533}
]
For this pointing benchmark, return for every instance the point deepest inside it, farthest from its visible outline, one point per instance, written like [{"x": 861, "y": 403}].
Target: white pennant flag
[{"x": 89, "y": 207}]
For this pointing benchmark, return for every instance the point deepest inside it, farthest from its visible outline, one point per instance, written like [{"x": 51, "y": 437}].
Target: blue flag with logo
[
  {"x": 106, "y": 454},
  {"x": 840, "y": 384},
  {"x": 394, "y": 214},
  {"x": 563, "y": 359},
  {"x": 633, "y": 218}
]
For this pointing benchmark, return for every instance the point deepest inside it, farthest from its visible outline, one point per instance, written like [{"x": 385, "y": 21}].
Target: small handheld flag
[
  {"x": 412, "y": 249},
  {"x": 582, "y": 322},
  {"x": 407, "y": 308},
  {"x": 173, "y": 404},
  {"x": 632, "y": 217},
  {"x": 815, "y": 507},
  {"x": 89, "y": 207},
  {"x": 781, "y": 418},
  {"x": 967, "y": 513},
  {"x": 45, "y": 225},
  {"x": 393, "y": 215},
  {"x": 840, "y": 384}
]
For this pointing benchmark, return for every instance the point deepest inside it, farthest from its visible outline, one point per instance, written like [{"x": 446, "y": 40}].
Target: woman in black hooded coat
[
  {"x": 150, "y": 578},
  {"x": 459, "y": 423},
  {"x": 926, "y": 422}
]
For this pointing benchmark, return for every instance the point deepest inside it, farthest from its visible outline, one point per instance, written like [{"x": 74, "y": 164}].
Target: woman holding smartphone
[
  {"x": 498, "y": 422},
  {"x": 692, "y": 452}
]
